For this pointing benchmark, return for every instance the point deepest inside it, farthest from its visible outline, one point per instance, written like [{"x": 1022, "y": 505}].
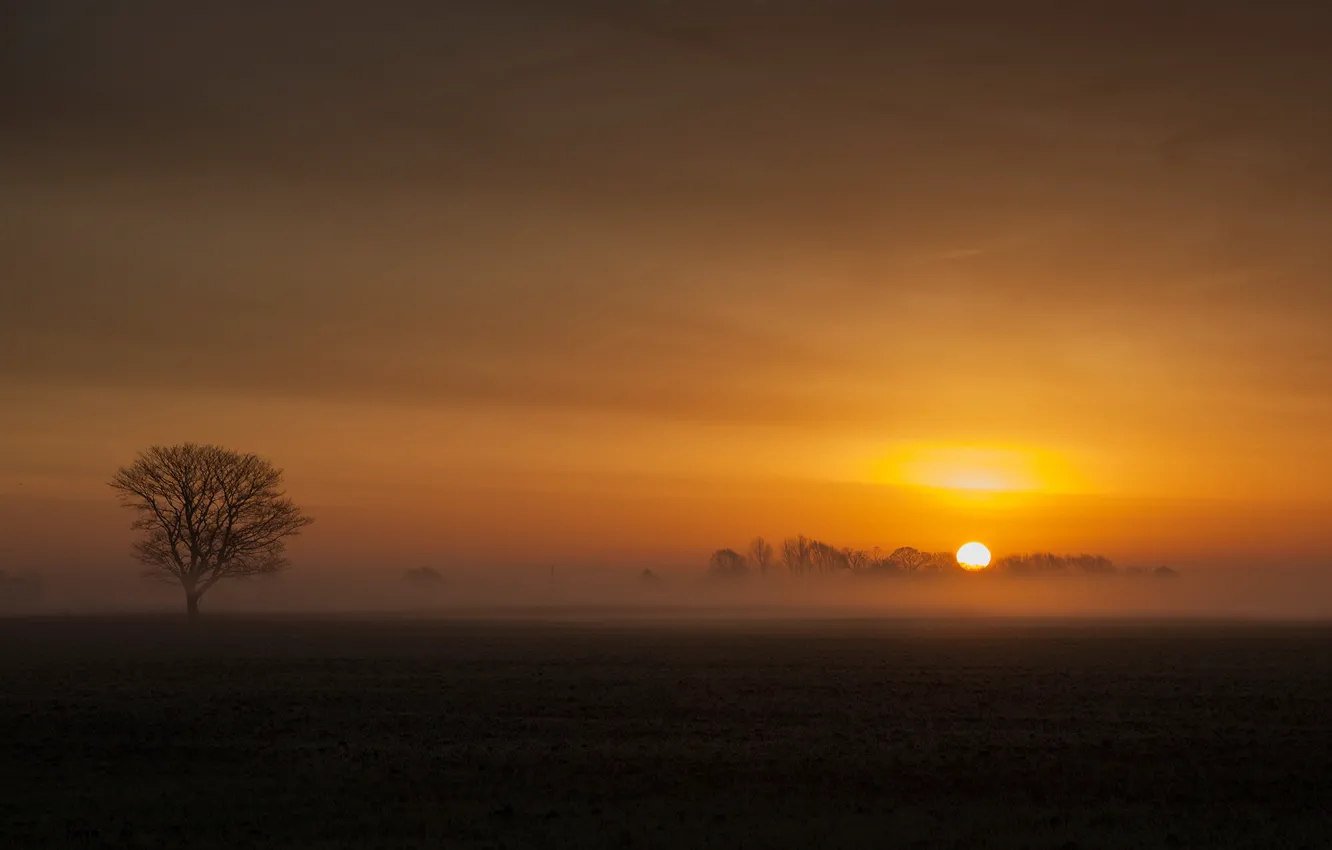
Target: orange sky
[{"x": 560, "y": 282}]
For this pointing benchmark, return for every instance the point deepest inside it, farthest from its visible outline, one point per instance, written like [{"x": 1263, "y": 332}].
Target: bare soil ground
[{"x": 360, "y": 733}]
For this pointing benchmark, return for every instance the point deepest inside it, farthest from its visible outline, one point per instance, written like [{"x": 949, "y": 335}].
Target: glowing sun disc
[{"x": 973, "y": 556}]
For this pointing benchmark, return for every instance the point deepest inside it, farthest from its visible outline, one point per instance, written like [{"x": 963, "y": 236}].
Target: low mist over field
[{"x": 611, "y": 593}]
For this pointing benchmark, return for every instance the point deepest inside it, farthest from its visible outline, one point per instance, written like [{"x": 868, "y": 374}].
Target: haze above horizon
[{"x": 506, "y": 282}]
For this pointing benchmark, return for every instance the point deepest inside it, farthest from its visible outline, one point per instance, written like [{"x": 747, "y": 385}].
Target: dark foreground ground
[{"x": 359, "y": 733}]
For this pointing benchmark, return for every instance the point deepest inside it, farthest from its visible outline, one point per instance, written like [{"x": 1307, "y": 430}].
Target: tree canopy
[{"x": 207, "y": 513}]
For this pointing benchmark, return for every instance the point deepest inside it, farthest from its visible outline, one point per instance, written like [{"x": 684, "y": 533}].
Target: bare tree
[
  {"x": 942, "y": 562},
  {"x": 795, "y": 554},
  {"x": 826, "y": 557},
  {"x": 207, "y": 514},
  {"x": 727, "y": 563},
  {"x": 760, "y": 554},
  {"x": 908, "y": 560},
  {"x": 859, "y": 560}
]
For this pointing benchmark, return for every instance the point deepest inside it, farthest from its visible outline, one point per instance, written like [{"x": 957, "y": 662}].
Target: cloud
[{"x": 698, "y": 212}]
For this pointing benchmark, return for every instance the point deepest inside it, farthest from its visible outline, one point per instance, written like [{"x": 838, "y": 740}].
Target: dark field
[{"x": 406, "y": 733}]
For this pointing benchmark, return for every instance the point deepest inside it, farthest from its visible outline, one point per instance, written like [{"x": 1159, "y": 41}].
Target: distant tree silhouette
[
  {"x": 207, "y": 514},
  {"x": 827, "y": 559},
  {"x": 648, "y": 577},
  {"x": 940, "y": 563},
  {"x": 1047, "y": 563},
  {"x": 1165, "y": 572},
  {"x": 1094, "y": 564},
  {"x": 760, "y": 554},
  {"x": 908, "y": 560},
  {"x": 859, "y": 560},
  {"x": 727, "y": 563},
  {"x": 879, "y": 563},
  {"x": 795, "y": 554}
]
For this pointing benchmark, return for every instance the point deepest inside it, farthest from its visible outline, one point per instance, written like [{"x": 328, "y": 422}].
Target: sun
[{"x": 973, "y": 556}]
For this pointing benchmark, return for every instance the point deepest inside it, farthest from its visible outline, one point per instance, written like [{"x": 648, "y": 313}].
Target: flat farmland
[{"x": 598, "y": 732}]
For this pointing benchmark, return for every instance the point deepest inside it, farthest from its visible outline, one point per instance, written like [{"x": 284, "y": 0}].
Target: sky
[{"x": 504, "y": 282}]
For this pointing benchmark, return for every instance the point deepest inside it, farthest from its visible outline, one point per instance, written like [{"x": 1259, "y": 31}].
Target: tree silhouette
[
  {"x": 207, "y": 514},
  {"x": 941, "y": 562},
  {"x": 908, "y": 560},
  {"x": 727, "y": 563},
  {"x": 795, "y": 554},
  {"x": 826, "y": 558},
  {"x": 760, "y": 554},
  {"x": 858, "y": 560},
  {"x": 1094, "y": 564},
  {"x": 1048, "y": 563}
]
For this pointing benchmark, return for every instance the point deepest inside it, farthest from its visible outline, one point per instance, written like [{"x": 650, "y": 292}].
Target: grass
[{"x": 324, "y": 733}]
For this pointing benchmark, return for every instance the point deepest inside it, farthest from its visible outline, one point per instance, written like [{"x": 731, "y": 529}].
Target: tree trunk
[{"x": 192, "y": 605}]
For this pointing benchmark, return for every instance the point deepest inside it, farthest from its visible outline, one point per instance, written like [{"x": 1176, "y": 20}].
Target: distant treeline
[
  {"x": 1044, "y": 563},
  {"x": 801, "y": 556}
]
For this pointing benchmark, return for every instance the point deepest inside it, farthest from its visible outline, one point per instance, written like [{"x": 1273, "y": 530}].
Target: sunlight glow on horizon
[{"x": 978, "y": 468}]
